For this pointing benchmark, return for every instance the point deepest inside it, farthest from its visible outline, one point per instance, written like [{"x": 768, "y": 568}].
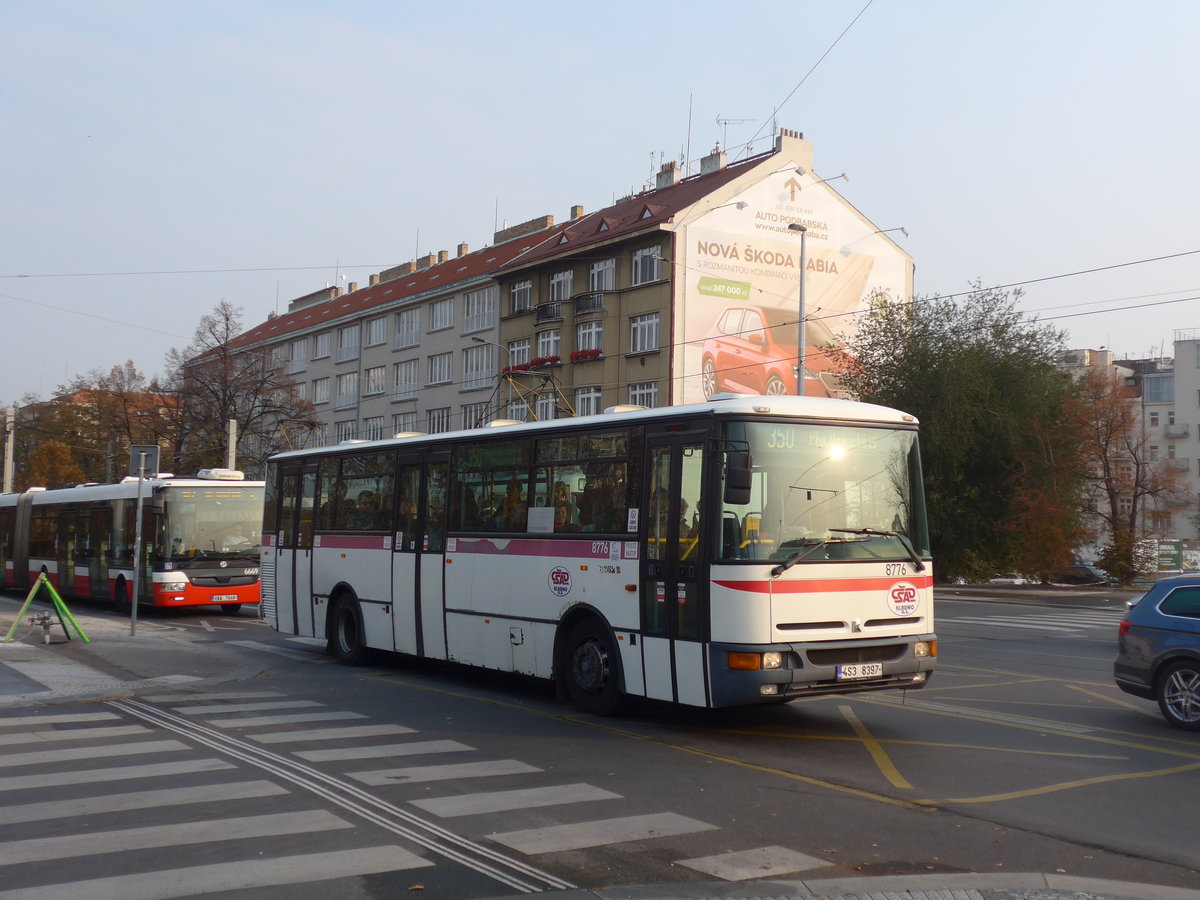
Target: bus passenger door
[
  {"x": 406, "y": 556},
  {"x": 673, "y": 591},
  {"x": 431, "y": 566},
  {"x": 293, "y": 558},
  {"x": 99, "y": 529}
]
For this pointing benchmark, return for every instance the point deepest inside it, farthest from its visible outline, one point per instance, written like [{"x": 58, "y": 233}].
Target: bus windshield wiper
[
  {"x": 808, "y": 551},
  {"x": 881, "y": 532}
]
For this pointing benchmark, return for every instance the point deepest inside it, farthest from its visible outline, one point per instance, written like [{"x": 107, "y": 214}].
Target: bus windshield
[
  {"x": 824, "y": 492},
  {"x": 206, "y": 523}
]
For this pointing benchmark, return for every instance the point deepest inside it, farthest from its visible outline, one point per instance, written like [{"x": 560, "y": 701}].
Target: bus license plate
[
  {"x": 859, "y": 670},
  {"x": 227, "y": 598}
]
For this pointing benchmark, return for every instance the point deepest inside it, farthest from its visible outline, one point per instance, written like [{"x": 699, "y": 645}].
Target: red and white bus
[
  {"x": 745, "y": 550},
  {"x": 200, "y": 540}
]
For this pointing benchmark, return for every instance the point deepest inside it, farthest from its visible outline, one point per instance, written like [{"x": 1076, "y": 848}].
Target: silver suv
[{"x": 1158, "y": 649}]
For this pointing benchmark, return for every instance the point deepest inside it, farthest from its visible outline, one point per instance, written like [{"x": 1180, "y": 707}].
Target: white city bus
[{"x": 745, "y": 550}]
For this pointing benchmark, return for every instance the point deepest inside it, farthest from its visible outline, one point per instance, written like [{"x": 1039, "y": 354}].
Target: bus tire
[
  {"x": 593, "y": 669},
  {"x": 346, "y": 636},
  {"x": 230, "y": 609},
  {"x": 120, "y": 599}
]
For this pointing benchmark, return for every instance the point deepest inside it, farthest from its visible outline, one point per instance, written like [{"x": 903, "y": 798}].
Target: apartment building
[{"x": 667, "y": 296}]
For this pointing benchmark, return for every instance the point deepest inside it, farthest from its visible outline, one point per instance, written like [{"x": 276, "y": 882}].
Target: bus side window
[{"x": 435, "y": 508}]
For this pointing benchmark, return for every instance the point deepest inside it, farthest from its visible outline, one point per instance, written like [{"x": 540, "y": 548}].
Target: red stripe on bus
[
  {"x": 354, "y": 542},
  {"x": 825, "y": 585}
]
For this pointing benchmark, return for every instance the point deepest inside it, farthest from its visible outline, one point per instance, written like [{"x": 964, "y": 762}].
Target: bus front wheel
[
  {"x": 593, "y": 669},
  {"x": 347, "y": 641}
]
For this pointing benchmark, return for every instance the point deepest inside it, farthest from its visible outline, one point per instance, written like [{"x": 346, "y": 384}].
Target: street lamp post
[{"x": 796, "y": 226}]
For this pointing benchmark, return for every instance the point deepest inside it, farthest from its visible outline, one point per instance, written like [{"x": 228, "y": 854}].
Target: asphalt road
[{"x": 1020, "y": 757}]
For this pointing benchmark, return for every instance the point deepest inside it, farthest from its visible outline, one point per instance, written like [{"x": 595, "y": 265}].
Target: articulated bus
[
  {"x": 200, "y": 541},
  {"x": 745, "y": 550}
]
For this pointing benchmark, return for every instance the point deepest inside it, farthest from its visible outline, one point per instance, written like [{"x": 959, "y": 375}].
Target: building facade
[{"x": 667, "y": 296}]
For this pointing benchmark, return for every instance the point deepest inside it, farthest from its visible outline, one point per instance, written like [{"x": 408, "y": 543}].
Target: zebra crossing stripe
[
  {"x": 223, "y": 695},
  {"x": 504, "y": 801},
  {"x": 295, "y": 718},
  {"x": 580, "y": 836},
  {"x": 41, "y": 757},
  {"x": 443, "y": 773},
  {"x": 60, "y": 719},
  {"x": 244, "y": 707},
  {"x": 69, "y": 846},
  {"x": 116, "y": 773},
  {"x": 413, "y": 748},
  {"x": 107, "y": 803},
  {"x": 329, "y": 734},
  {"x": 762, "y": 862},
  {"x": 231, "y": 876},
  {"x": 73, "y": 734}
]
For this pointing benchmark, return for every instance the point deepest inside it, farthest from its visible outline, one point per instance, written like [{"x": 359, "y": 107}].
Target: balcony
[
  {"x": 547, "y": 312},
  {"x": 589, "y": 303},
  {"x": 1175, "y": 431}
]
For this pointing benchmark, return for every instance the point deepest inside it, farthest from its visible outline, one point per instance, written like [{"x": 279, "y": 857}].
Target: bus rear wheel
[
  {"x": 593, "y": 669},
  {"x": 230, "y": 609},
  {"x": 347, "y": 637}
]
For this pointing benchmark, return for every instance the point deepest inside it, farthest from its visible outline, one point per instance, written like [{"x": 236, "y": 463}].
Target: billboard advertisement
[{"x": 737, "y": 321}]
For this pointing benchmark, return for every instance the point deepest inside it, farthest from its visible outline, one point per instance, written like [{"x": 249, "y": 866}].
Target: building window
[
  {"x": 520, "y": 297},
  {"x": 343, "y": 431},
  {"x": 297, "y": 356},
  {"x": 1159, "y": 388},
  {"x": 560, "y": 286},
  {"x": 377, "y": 331},
  {"x": 479, "y": 366},
  {"x": 320, "y": 436},
  {"x": 1153, "y": 453},
  {"x": 440, "y": 368},
  {"x": 518, "y": 352},
  {"x": 372, "y": 428},
  {"x": 643, "y": 333},
  {"x": 402, "y": 422},
  {"x": 1125, "y": 504},
  {"x": 517, "y": 411},
  {"x": 1170, "y": 417},
  {"x": 406, "y": 379},
  {"x": 320, "y": 345},
  {"x": 347, "y": 390},
  {"x": 545, "y": 408},
  {"x": 587, "y": 401},
  {"x": 476, "y": 415},
  {"x": 348, "y": 341},
  {"x": 320, "y": 390},
  {"x": 1154, "y": 419},
  {"x": 602, "y": 275},
  {"x": 408, "y": 328},
  {"x": 302, "y": 390},
  {"x": 441, "y": 314},
  {"x": 374, "y": 381},
  {"x": 548, "y": 342},
  {"x": 645, "y": 265},
  {"x": 644, "y": 393},
  {"x": 439, "y": 420},
  {"x": 479, "y": 310},
  {"x": 589, "y": 336}
]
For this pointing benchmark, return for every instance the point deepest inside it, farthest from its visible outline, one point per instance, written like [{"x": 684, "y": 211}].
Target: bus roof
[{"x": 823, "y": 409}]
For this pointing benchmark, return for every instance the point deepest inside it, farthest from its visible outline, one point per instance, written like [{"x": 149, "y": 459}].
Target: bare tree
[
  {"x": 1125, "y": 481},
  {"x": 216, "y": 379}
]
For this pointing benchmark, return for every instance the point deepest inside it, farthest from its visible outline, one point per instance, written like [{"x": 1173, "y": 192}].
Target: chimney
[
  {"x": 374, "y": 280},
  {"x": 714, "y": 162},
  {"x": 576, "y": 212},
  {"x": 462, "y": 249},
  {"x": 667, "y": 175},
  {"x": 443, "y": 255},
  {"x": 352, "y": 287},
  {"x": 424, "y": 262}
]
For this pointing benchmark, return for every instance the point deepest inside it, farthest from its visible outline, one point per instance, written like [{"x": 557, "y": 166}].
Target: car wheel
[
  {"x": 1178, "y": 693},
  {"x": 348, "y": 635},
  {"x": 775, "y": 386},
  {"x": 593, "y": 669},
  {"x": 709, "y": 377}
]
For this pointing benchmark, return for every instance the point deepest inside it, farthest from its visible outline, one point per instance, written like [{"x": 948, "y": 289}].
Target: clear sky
[{"x": 256, "y": 151}]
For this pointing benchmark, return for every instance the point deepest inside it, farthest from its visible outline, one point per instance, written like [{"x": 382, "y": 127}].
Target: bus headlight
[
  {"x": 772, "y": 659},
  {"x": 752, "y": 662},
  {"x": 924, "y": 649}
]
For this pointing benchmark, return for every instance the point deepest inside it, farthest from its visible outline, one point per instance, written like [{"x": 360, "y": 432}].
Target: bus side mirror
[{"x": 737, "y": 479}]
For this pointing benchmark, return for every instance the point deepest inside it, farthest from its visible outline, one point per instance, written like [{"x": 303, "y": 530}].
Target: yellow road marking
[
  {"x": 1063, "y": 786},
  {"x": 882, "y": 760}
]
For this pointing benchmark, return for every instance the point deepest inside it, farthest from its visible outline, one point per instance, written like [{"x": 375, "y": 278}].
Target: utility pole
[
  {"x": 231, "y": 455},
  {"x": 10, "y": 430}
]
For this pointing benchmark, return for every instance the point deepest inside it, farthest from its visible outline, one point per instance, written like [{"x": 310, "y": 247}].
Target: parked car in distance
[
  {"x": 1081, "y": 574},
  {"x": 1009, "y": 578},
  {"x": 1158, "y": 649}
]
